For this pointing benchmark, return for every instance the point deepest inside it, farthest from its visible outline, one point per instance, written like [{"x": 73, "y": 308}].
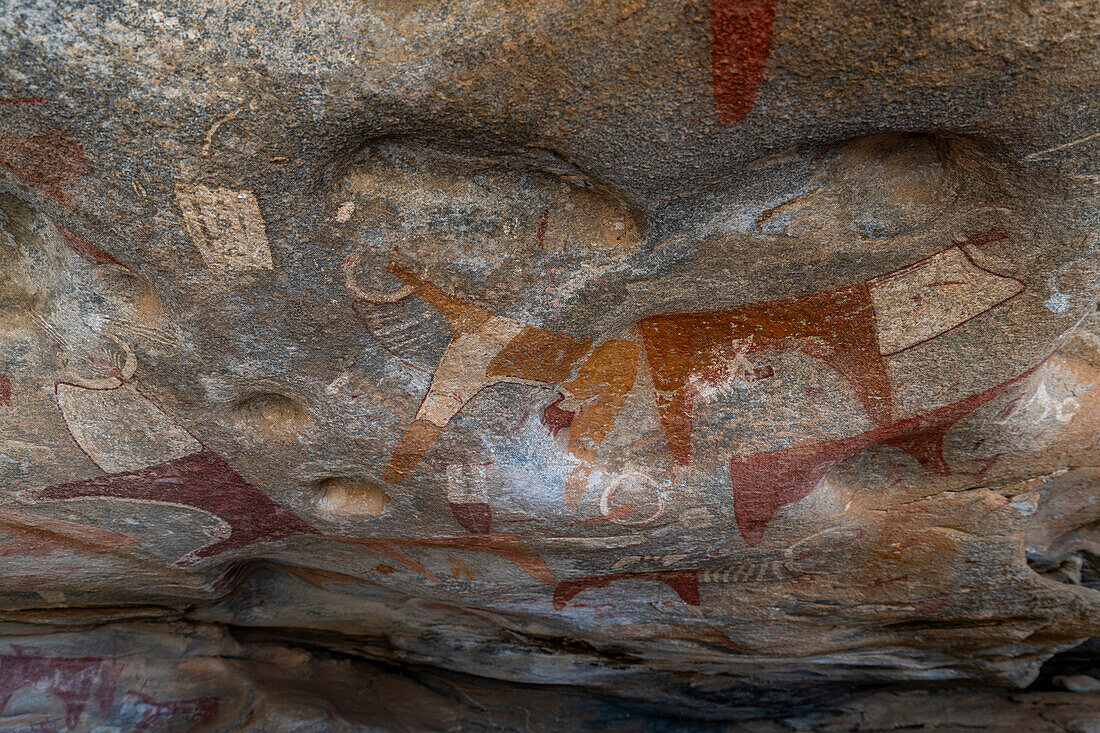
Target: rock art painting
[
  {"x": 741, "y": 38},
  {"x": 33, "y": 535},
  {"x": 119, "y": 426},
  {"x": 49, "y": 161},
  {"x": 853, "y": 329},
  {"x": 146, "y": 457},
  {"x": 684, "y": 582},
  {"x": 197, "y": 711},
  {"x": 763, "y": 482},
  {"x": 202, "y": 481},
  {"x": 76, "y": 681},
  {"x": 45, "y": 686},
  {"x": 226, "y": 226},
  {"x": 485, "y": 350},
  {"x": 538, "y": 366},
  {"x": 505, "y": 546},
  {"x": 800, "y": 562}
]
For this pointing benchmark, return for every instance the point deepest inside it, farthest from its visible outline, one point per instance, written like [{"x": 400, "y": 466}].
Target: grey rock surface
[{"x": 551, "y": 365}]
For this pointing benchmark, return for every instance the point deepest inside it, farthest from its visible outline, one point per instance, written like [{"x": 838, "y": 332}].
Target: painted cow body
[
  {"x": 852, "y": 329},
  {"x": 146, "y": 456}
]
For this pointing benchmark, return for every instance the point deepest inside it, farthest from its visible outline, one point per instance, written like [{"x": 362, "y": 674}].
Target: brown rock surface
[{"x": 494, "y": 365}]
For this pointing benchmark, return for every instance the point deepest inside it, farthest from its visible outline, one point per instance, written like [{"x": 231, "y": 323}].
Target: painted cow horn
[{"x": 376, "y": 297}]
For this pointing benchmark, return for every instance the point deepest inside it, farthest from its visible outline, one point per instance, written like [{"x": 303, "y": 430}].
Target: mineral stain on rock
[
  {"x": 350, "y": 497},
  {"x": 49, "y": 161}
]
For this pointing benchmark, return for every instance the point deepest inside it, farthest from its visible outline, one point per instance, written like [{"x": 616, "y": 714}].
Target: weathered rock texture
[{"x": 550, "y": 365}]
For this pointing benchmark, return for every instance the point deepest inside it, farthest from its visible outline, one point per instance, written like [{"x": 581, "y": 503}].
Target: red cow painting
[
  {"x": 147, "y": 457},
  {"x": 852, "y": 329},
  {"x": 76, "y": 681}
]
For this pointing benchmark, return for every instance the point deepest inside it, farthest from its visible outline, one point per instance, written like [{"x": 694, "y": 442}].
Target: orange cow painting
[{"x": 851, "y": 329}]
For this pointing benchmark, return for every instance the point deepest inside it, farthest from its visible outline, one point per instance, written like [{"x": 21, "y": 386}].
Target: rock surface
[{"x": 547, "y": 365}]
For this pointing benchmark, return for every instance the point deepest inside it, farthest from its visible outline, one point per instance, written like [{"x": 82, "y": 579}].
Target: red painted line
[
  {"x": 89, "y": 251},
  {"x": 544, "y": 221},
  {"x": 23, "y": 100},
  {"x": 741, "y": 34}
]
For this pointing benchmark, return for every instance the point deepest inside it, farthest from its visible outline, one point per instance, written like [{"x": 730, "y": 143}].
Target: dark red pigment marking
[
  {"x": 473, "y": 516},
  {"x": 684, "y": 582},
  {"x": 834, "y": 326},
  {"x": 764, "y": 482},
  {"x": 544, "y": 222},
  {"x": 986, "y": 464},
  {"x": 49, "y": 161},
  {"x": 198, "y": 711},
  {"x": 977, "y": 240},
  {"x": 5, "y": 390},
  {"x": 555, "y": 419},
  {"x": 886, "y": 581},
  {"x": 502, "y": 545},
  {"x": 201, "y": 481},
  {"x": 71, "y": 679},
  {"x": 23, "y": 101},
  {"x": 89, "y": 251},
  {"x": 741, "y": 35},
  {"x": 764, "y": 372}
]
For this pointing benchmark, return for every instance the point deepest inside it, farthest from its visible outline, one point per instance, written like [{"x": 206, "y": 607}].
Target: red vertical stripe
[{"x": 741, "y": 33}]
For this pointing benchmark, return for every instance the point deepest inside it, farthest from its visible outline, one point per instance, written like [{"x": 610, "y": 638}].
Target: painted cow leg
[
  {"x": 575, "y": 485},
  {"x": 477, "y": 337},
  {"x": 853, "y": 351},
  {"x": 476, "y": 517},
  {"x": 601, "y": 386},
  {"x": 675, "y": 408},
  {"x": 764, "y": 482},
  {"x": 459, "y": 376},
  {"x": 413, "y": 446},
  {"x": 466, "y": 490},
  {"x": 675, "y": 349}
]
